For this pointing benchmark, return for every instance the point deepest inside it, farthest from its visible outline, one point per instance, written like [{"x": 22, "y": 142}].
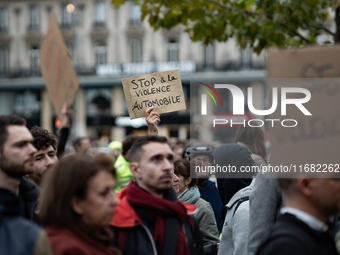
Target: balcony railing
[
  {"x": 3, "y": 29},
  {"x": 33, "y": 27},
  {"x": 99, "y": 24}
]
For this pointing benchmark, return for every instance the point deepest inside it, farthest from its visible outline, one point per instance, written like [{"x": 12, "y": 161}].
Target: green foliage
[{"x": 261, "y": 23}]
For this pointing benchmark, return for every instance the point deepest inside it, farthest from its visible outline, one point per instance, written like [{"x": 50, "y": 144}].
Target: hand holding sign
[
  {"x": 162, "y": 90},
  {"x": 152, "y": 118}
]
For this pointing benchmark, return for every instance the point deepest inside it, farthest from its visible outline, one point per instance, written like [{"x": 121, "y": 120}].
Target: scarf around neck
[
  {"x": 166, "y": 216},
  {"x": 191, "y": 195}
]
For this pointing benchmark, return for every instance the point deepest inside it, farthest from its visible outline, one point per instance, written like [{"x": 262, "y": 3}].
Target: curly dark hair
[{"x": 43, "y": 138}]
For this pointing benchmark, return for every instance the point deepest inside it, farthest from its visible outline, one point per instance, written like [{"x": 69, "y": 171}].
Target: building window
[
  {"x": 66, "y": 21},
  {"x": 3, "y": 61},
  {"x": 100, "y": 14},
  {"x": 173, "y": 49},
  {"x": 34, "y": 56},
  {"x": 135, "y": 14},
  {"x": 136, "y": 49},
  {"x": 69, "y": 47},
  {"x": 209, "y": 56},
  {"x": 246, "y": 57},
  {"x": 100, "y": 54},
  {"x": 34, "y": 18},
  {"x": 3, "y": 20}
]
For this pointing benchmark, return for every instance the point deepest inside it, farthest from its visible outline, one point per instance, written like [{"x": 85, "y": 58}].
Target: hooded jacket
[
  {"x": 133, "y": 237},
  {"x": 236, "y": 156},
  {"x": 17, "y": 234},
  {"x": 235, "y": 230},
  {"x": 28, "y": 197}
]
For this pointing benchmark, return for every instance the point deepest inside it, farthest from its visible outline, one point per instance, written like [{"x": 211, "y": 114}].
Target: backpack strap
[{"x": 239, "y": 202}]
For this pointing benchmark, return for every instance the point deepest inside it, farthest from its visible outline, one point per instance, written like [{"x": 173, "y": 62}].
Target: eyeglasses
[{"x": 204, "y": 161}]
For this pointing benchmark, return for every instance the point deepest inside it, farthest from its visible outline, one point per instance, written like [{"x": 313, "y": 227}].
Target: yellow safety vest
[{"x": 123, "y": 173}]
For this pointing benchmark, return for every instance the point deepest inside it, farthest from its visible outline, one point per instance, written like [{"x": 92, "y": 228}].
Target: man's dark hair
[
  {"x": 78, "y": 140},
  {"x": 5, "y": 121},
  {"x": 136, "y": 149},
  {"x": 43, "y": 139},
  {"x": 127, "y": 143}
]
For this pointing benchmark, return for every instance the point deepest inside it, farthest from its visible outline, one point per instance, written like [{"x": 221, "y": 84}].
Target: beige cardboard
[
  {"x": 306, "y": 62},
  {"x": 316, "y": 139},
  {"x": 57, "y": 69},
  {"x": 162, "y": 90}
]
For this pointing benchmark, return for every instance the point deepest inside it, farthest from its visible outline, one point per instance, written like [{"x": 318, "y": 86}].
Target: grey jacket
[
  {"x": 204, "y": 215},
  {"x": 264, "y": 204},
  {"x": 234, "y": 238}
]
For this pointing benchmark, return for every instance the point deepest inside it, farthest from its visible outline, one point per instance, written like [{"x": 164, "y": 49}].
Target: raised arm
[{"x": 152, "y": 118}]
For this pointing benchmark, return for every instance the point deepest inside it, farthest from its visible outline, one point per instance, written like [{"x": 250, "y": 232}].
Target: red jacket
[{"x": 66, "y": 242}]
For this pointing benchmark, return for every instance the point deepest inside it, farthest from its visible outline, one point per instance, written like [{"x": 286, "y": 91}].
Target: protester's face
[
  {"x": 175, "y": 180},
  {"x": 116, "y": 152},
  {"x": 155, "y": 169},
  {"x": 178, "y": 152},
  {"x": 205, "y": 162},
  {"x": 183, "y": 183},
  {"x": 44, "y": 158},
  {"x": 16, "y": 158},
  {"x": 326, "y": 195},
  {"x": 100, "y": 202},
  {"x": 84, "y": 146}
]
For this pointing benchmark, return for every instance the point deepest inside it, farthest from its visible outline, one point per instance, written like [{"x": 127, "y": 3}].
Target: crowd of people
[{"x": 146, "y": 198}]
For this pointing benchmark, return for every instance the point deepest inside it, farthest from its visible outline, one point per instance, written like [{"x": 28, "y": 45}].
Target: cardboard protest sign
[
  {"x": 57, "y": 69},
  {"x": 304, "y": 142},
  {"x": 306, "y": 62},
  {"x": 162, "y": 90}
]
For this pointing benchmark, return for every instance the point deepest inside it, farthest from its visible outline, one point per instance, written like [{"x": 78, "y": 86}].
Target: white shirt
[{"x": 310, "y": 220}]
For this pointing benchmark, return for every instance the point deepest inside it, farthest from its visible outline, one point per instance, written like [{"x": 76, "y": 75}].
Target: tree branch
[
  {"x": 297, "y": 33},
  {"x": 228, "y": 8},
  {"x": 337, "y": 24},
  {"x": 219, "y": 5},
  {"x": 322, "y": 28}
]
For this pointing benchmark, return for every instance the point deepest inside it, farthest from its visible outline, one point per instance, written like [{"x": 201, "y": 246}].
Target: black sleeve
[
  {"x": 282, "y": 246},
  {"x": 198, "y": 239},
  {"x": 210, "y": 249},
  {"x": 64, "y": 133}
]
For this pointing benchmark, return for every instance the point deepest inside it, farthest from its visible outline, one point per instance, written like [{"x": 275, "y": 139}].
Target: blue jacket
[{"x": 209, "y": 193}]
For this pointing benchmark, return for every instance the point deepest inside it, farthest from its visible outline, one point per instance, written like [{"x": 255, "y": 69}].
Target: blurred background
[{"x": 107, "y": 44}]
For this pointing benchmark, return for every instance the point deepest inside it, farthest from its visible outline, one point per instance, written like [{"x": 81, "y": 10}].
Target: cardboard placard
[
  {"x": 56, "y": 67},
  {"x": 162, "y": 90},
  {"x": 306, "y": 62},
  {"x": 316, "y": 138}
]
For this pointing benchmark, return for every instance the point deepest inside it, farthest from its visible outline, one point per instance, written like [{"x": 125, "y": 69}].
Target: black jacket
[
  {"x": 17, "y": 234},
  {"x": 28, "y": 197},
  {"x": 292, "y": 236},
  {"x": 237, "y": 156}
]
